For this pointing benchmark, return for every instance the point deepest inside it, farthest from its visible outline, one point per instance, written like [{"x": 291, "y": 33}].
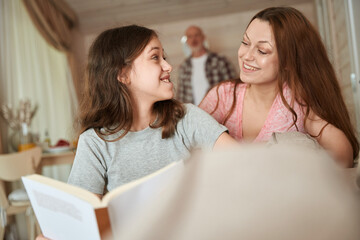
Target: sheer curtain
[{"x": 31, "y": 69}]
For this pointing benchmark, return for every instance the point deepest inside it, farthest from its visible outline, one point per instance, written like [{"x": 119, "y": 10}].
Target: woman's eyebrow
[{"x": 266, "y": 42}]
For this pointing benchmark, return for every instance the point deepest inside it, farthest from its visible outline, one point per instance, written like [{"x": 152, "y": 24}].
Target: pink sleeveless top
[{"x": 279, "y": 118}]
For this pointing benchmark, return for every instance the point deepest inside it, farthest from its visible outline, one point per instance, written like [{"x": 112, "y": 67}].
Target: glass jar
[{"x": 26, "y": 141}]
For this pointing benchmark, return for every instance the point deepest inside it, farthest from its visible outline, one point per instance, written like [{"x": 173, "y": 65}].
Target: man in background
[{"x": 202, "y": 70}]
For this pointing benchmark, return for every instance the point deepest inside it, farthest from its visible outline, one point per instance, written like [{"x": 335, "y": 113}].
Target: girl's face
[
  {"x": 150, "y": 75},
  {"x": 258, "y": 57}
]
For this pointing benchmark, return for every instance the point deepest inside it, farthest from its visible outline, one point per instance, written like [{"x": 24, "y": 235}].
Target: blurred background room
[{"x": 44, "y": 45}]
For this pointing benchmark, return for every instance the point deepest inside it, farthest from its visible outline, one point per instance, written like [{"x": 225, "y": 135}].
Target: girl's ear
[{"x": 122, "y": 77}]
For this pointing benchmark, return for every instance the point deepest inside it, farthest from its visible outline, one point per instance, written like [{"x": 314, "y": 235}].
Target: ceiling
[{"x": 95, "y": 15}]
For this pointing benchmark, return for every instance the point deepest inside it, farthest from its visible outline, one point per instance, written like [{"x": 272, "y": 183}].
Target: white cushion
[{"x": 19, "y": 195}]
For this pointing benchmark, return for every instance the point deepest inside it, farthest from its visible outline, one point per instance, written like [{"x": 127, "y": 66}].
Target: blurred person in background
[{"x": 202, "y": 70}]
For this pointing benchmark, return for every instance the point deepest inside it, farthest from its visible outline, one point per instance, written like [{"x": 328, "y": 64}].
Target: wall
[
  {"x": 354, "y": 26},
  {"x": 337, "y": 34}
]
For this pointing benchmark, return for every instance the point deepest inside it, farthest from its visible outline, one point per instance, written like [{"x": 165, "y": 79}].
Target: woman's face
[
  {"x": 149, "y": 77},
  {"x": 258, "y": 57}
]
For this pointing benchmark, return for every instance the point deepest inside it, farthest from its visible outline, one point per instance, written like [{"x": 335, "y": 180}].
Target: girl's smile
[{"x": 150, "y": 75}]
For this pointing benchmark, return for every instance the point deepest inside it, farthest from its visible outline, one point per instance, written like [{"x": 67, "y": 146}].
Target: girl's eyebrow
[
  {"x": 155, "y": 48},
  {"x": 264, "y": 41}
]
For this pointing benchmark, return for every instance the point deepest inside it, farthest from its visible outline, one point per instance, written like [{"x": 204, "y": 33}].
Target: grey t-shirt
[{"x": 101, "y": 166}]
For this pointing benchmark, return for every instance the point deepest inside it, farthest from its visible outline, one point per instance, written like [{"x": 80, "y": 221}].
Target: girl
[
  {"x": 287, "y": 84},
  {"x": 129, "y": 122}
]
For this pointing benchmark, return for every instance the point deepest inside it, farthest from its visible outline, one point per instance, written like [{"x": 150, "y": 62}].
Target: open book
[
  {"x": 286, "y": 191},
  {"x": 69, "y": 212}
]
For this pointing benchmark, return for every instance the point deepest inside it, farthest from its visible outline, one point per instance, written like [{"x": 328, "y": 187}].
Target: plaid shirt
[{"x": 217, "y": 69}]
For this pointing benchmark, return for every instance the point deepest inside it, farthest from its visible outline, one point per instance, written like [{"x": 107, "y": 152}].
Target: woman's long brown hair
[
  {"x": 106, "y": 103},
  {"x": 305, "y": 67}
]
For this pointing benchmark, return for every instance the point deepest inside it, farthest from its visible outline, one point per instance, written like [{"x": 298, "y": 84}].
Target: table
[{"x": 50, "y": 159}]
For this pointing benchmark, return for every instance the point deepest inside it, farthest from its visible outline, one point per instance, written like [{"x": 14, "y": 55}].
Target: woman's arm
[{"x": 332, "y": 139}]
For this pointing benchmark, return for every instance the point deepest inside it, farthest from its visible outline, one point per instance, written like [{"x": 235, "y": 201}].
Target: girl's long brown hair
[
  {"x": 305, "y": 67},
  {"x": 106, "y": 102}
]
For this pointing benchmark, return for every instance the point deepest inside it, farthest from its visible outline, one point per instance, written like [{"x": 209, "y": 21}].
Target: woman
[{"x": 287, "y": 84}]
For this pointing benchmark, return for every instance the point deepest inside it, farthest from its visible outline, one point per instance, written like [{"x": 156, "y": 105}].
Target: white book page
[
  {"x": 127, "y": 210},
  {"x": 60, "y": 214}
]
